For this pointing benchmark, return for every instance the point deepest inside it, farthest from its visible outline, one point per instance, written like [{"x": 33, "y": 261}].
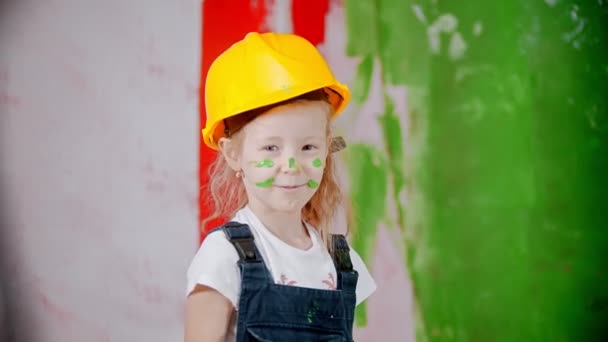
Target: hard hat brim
[{"x": 338, "y": 96}]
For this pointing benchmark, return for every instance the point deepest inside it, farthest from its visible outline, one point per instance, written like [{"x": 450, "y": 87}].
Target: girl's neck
[{"x": 287, "y": 226}]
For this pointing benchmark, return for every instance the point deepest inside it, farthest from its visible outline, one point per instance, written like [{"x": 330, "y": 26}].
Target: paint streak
[
  {"x": 265, "y": 184},
  {"x": 264, "y": 163},
  {"x": 317, "y": 163},
  {"x": 156, "y": 70},
  {"x": 292, "y": 163},
  {"x": 312, "y": 311},
  {"x": 309, "y": 19},
  {"x": 216, "y": 37},
  {"x": 312, "y": 184},
  {"x": 55, "y": 310},
  {"x": 67, "y": 319}
]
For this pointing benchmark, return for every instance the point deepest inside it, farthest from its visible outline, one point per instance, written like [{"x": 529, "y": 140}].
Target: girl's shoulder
[
  {"x": 215, "y": 265},
  {"x": 366, "y": 285}
]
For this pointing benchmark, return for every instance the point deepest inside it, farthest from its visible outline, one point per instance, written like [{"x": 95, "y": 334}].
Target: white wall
[{"x": 99, "y": 137}]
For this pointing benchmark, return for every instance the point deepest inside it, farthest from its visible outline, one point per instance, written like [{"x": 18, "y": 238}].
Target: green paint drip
[
  {"x": 265, "y": 163},
  {"x": 312, "y": 184},
  {"x": 265, "y": 184},
  {"x": 317, "y": 163},
  {"x": 292, "y": 163}
]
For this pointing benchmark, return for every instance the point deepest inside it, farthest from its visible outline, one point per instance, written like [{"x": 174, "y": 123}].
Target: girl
[{"x": 274, "y": 272}]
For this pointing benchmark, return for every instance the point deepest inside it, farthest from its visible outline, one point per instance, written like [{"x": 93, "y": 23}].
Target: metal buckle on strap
[
  {"x": 246, "y": 249},
  {"x": 240, "y": 236}
]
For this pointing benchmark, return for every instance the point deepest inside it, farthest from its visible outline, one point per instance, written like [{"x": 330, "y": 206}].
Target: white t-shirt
[{"x": 215, "y": 263}]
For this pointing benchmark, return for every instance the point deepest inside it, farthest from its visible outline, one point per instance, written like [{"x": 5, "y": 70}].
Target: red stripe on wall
[
  {"x": 224, "y": 22},
  {"x": 309, "y": 19}
]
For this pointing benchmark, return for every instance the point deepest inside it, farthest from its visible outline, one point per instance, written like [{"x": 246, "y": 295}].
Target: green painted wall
[{"x": 506, "y": 229}]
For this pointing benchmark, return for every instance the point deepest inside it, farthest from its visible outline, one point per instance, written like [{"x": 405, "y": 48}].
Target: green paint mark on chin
[
  {"x": 317, "y": 163},
  {"x": 265, "y": 184},
  {"x": 312, "y": 184},
  {"x": 265, "y": 163},
  {"x": 292, "y": 163}
]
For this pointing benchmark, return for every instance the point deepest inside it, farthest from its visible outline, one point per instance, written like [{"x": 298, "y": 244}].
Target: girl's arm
[{"x": 207, "y": 315}]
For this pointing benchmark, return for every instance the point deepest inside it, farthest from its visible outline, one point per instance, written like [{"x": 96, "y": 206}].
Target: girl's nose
[{"x": 292, "y": 165}]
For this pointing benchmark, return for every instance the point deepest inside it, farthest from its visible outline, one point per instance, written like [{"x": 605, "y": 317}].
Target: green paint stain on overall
[
  {"x": 312, "y": 311},
  {"x": 317, "y": 163},
  {"x": 312, "y": 184},
  {"x": 292, "y": 163},
  {"x": 265, "y": 184},
  {"x": 264, "y": 163}
]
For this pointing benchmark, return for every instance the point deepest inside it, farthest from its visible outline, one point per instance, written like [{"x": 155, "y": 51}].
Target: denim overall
[{"x": 272, "y": 312}]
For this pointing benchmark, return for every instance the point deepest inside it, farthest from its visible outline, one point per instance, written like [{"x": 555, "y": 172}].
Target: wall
[
  {"x": 98, "y": 140},
  {"x": 477, "y": 139}
]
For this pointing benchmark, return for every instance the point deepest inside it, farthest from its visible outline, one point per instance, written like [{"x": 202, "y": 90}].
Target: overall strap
[
  {"x": 341, "y": 253},
  {"x": 240, "y": 236},
  {"x": 347, "y": 276}
]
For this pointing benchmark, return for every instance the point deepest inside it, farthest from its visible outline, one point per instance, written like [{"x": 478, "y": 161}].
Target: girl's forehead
[
  {"x": 294, "y": 119},
  {"x": 287, "y": 133}
]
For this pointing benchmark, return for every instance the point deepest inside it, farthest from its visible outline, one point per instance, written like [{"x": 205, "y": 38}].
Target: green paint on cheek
[
  {"x": 312, "y": 184},
  {"x": 317, "y": 163},
  {"x": 292, "y": 163},
  {"x": 265, "y": 184},
  {"x": 265, "y": 163}
]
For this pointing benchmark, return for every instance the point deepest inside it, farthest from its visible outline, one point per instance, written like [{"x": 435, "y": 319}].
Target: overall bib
[{"x": 272, "y": 312}]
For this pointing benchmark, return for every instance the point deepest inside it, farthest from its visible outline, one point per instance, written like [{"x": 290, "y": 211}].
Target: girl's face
[{"x": 283, "y": 155}]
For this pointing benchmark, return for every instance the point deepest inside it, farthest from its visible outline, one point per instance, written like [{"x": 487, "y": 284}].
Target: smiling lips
[{"x": 289, "y": 187}]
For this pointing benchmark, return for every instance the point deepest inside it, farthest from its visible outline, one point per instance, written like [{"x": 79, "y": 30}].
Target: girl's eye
[
  {"x": 270, "y": 148},
  {"x": 308, "y": 147}
]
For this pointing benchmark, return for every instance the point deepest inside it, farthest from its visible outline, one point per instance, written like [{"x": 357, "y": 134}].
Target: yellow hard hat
[{"x": 261, "y": 70}]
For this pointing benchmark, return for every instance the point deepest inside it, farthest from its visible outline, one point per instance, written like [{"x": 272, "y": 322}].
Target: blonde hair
[{"x": 228, "y": 193}]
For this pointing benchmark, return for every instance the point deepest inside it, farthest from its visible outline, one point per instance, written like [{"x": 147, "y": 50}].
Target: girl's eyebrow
[
  {"x": 277, "y": 138},
  {"x": 266, "y": 138}
]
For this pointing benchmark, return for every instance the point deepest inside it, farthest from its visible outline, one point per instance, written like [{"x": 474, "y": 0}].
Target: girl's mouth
[{"x": 289, "y": 187}]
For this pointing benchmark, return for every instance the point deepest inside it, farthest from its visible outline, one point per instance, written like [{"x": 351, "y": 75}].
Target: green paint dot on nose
[
  {"x": 312, "y": 184},
  {"x": 265, "y": 163},
  {"x": 292, "y": 163},
  {"x": 265, "y": 184},
  {"x": 317, "y": 163}
]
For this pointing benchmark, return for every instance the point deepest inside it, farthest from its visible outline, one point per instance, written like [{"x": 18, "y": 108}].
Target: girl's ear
[{"x": 229, "y": 149}]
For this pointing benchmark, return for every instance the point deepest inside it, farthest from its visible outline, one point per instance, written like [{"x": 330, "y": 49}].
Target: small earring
[{"x": 239, "y": 174}]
